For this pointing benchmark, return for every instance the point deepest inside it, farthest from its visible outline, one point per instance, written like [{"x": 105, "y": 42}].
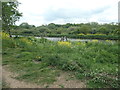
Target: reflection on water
[{"x": 69, "y": 39}]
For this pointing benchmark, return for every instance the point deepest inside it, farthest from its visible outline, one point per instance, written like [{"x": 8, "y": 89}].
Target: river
[{"x": 69, "y": 39}]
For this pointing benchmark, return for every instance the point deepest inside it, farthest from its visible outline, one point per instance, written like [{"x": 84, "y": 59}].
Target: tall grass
[{"x": 96, "y": 62}]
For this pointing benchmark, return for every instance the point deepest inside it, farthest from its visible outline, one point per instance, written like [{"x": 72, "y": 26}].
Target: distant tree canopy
[
  {"x": 26, "y": 25},
  {"x": 69, "y": 29},
  {"x": 10, "y": 15}
]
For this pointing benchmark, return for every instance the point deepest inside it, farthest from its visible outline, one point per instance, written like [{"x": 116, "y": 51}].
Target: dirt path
[
  {"x": 13, "y": 83},
  {"x": 63, "y": 81}
]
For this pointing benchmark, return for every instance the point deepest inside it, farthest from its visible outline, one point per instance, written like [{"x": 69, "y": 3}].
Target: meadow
[{"x": 40, "y": 61}]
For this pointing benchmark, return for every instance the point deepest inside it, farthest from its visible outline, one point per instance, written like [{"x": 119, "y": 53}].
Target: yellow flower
[
  {"x": 90, "y": 34},
  {"x": 4, "y": 35},
  {"x": 95, "y": 34},
  {"x": 99, "y": 34},
  {"x": 81, "y": 34},
  {"x": 108, "y": 41},
  {"x": 38, "y": 57},
  {"x": 26, "y": 40},
  {"x": 64, "y": 43},
  {"x": 81, "y": 43},
  {"x": 94, "y": 40}
]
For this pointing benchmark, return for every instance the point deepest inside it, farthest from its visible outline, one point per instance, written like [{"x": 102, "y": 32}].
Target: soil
[{"x": 65, "y": 80}]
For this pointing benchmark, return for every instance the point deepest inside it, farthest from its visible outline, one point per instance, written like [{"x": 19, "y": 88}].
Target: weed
[{"x": 96, "y": 62}]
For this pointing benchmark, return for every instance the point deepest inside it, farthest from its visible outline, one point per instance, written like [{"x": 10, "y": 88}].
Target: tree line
[{"x": 69, "y": 28}]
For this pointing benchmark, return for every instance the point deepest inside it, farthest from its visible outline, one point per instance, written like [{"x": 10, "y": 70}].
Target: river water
[{"x": 69, "y": 39}]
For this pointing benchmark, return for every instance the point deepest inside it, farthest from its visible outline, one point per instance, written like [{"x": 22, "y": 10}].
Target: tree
[
  {"x": 85, "y": 29},
  {"x": 51, "y": 26},
  {"x": 94, "y": 24},
  {"x": 103, "y": 30},
  {"x": 10, "y": 15},
  {"x": 73, "y": 30},
  {"x": 24, "y": 25},
  {"x": 43, "y": 30}
]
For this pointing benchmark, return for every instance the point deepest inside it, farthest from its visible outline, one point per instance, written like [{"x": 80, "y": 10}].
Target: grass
[
  {"x": 62, "y": 86},
  {"x": 39, "y": 60},
  {"x": 87, "y": 36},
  {"x": 5, "y": 85},
  {"x": 27, "y": 69}
]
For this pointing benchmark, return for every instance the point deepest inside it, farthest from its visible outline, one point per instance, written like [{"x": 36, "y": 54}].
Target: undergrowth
[{"x": 39, "y": 60}]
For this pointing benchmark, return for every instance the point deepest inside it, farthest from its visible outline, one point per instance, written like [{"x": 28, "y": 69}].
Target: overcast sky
[{"x": 39, "y": 12}]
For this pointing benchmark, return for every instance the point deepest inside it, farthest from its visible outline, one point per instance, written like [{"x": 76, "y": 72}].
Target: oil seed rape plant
[
  {"x": 4, "y": 35},
  {"x": 95, "y": 34},
  {"x": 94, "y": 40},
  {"x": 108, "y": 41},
  {"x": 81, "y": 34},
  {"x": 81, "y": 43},
  {"x": 64, "y": 43},
  {"x": 92, "y": 34},
  {"x": 38, "y": 57}
]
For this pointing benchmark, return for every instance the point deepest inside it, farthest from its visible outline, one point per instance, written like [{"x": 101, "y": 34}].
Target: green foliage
[
  {"x": 10, "y": 15},
  {"x": 96, "y": 62},
  {"x": 91, "y": 36},
  {"x": 39, "y": 76},
  {"x": 109, "y": 31},
  {"x": 4, "y": 84},
  {"x": 8, "y": 43},
  {"x": 26, "y": 25},
  {"x": 85, "y": 29}
]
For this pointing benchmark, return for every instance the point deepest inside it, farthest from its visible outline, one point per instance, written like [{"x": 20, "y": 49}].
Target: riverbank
[
  {"x": 80, "y": 36},
  {"x": 89, "y": 36},
  {"x": 39, "y": 60},
  {"x": 68, "y": 39}
]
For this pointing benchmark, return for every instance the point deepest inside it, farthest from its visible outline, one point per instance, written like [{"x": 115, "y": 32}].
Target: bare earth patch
[
  {"x": 67, "y": 81},
  {"x": 13, "y": 83},
  {"x": 63, "y": 81}
]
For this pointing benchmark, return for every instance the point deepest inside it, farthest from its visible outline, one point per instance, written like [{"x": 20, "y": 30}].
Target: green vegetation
[
  {"x": 88, "y": 36},
  {"x": 4, "y": 84},
  {"x": 40, "y": 60},
  {"x": 91, "y": 30},
  {"x": 10, "y": 15}
]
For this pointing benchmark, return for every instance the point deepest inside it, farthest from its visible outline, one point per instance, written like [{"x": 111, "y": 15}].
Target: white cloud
[{"x": 39, "y": 12}]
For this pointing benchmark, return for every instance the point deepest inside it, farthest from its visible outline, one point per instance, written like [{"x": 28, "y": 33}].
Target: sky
[{"x": 42, "y": 12}]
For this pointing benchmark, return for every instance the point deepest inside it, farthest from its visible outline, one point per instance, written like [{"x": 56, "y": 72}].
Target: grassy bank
[
  {"x": 79, "y": 36},
  {"x": 89, "y": 36},
  {"x": 40, "y": 60}
]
